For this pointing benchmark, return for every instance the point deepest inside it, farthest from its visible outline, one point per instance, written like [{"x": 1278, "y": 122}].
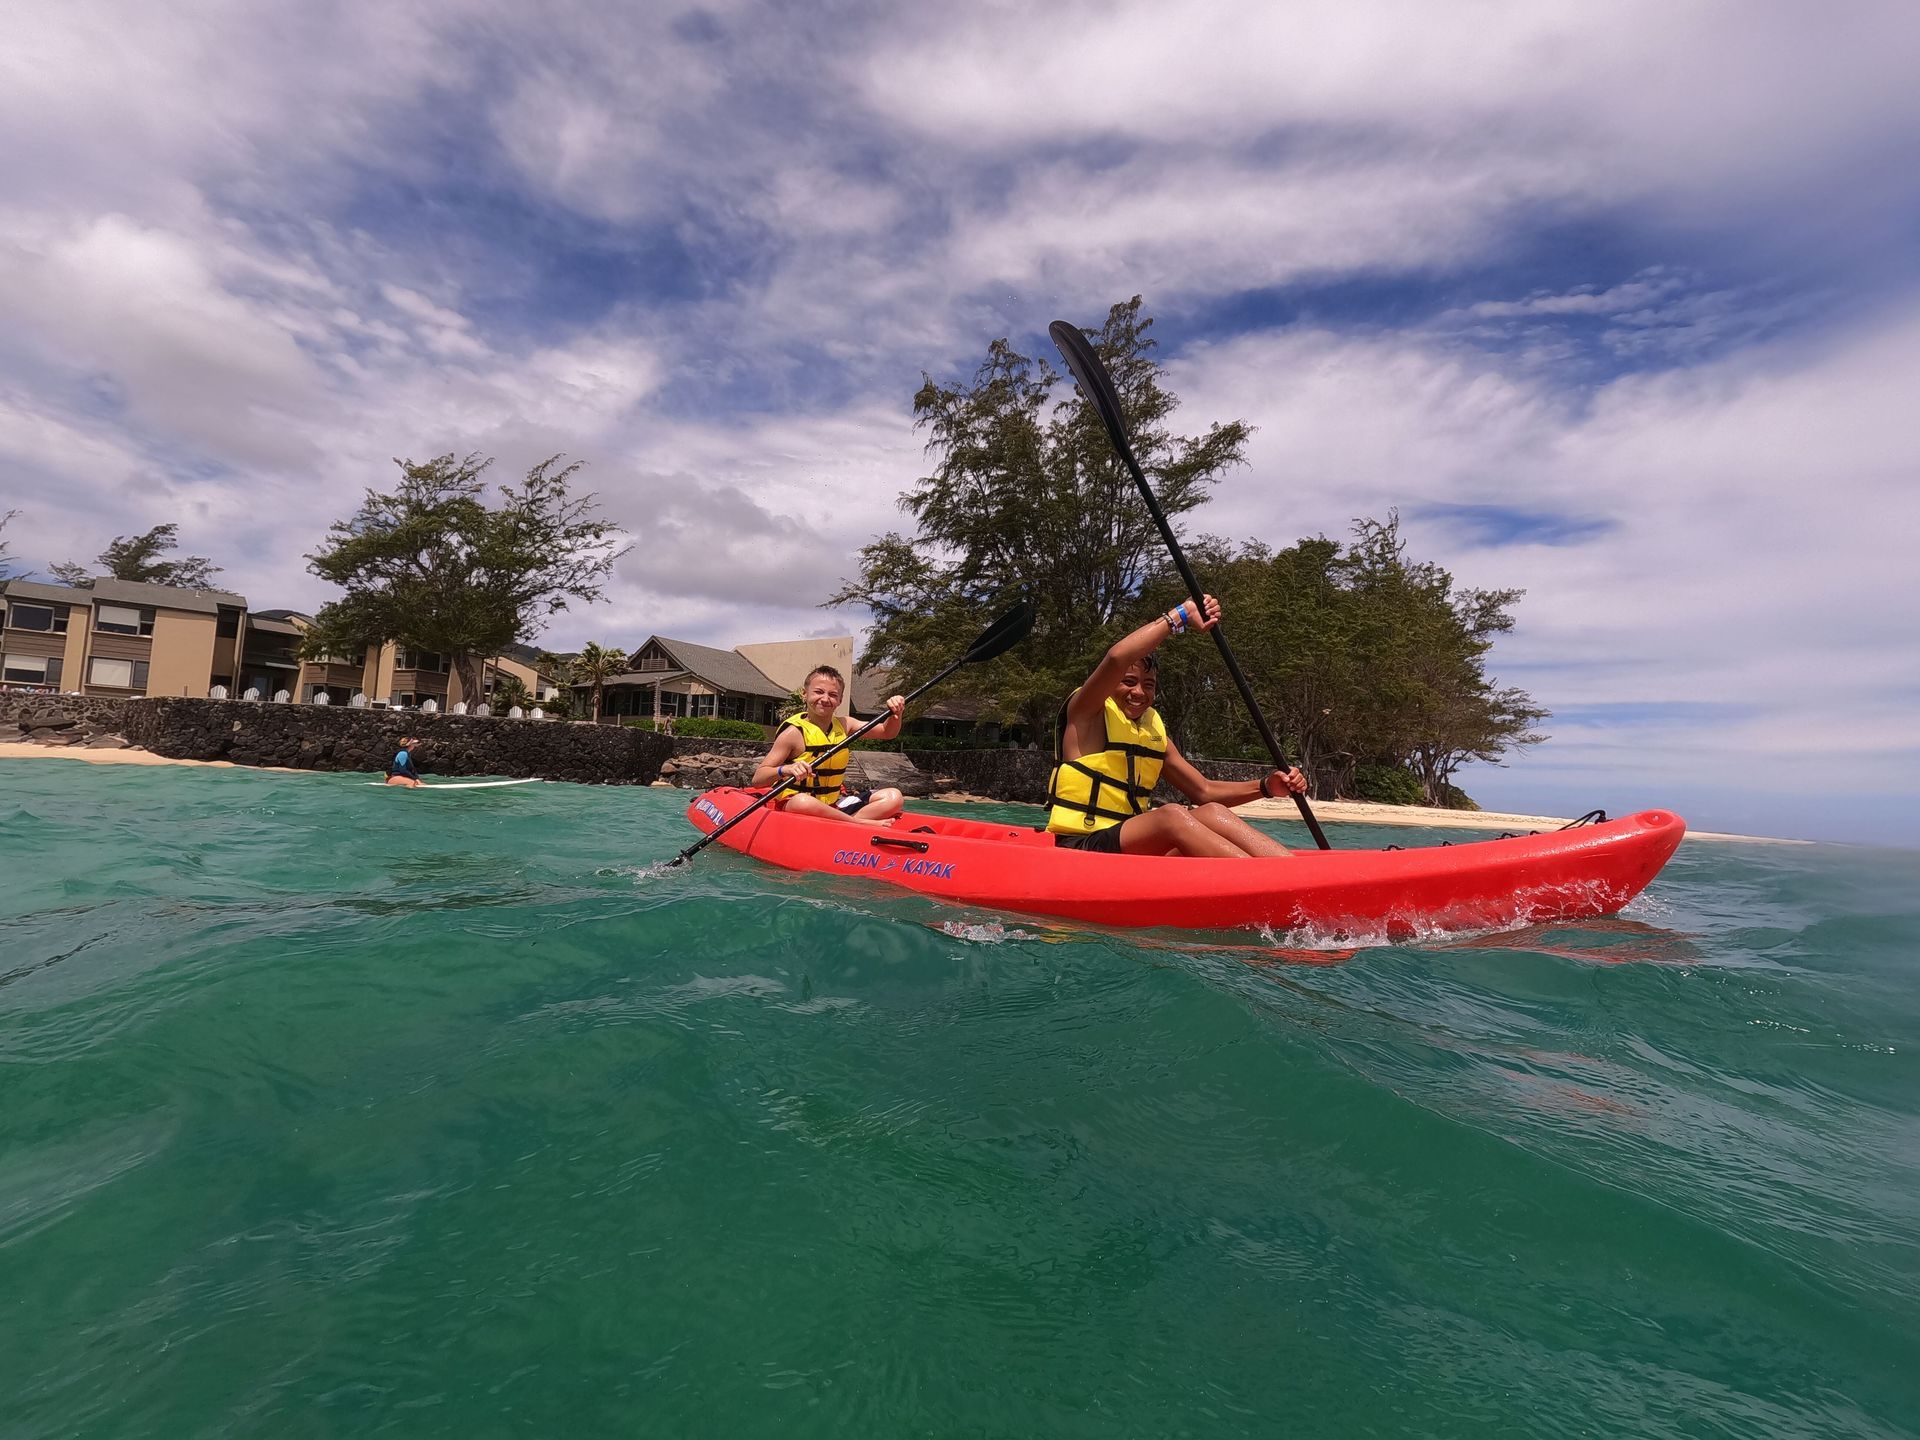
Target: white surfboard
[{"x": 461, "y": 784}]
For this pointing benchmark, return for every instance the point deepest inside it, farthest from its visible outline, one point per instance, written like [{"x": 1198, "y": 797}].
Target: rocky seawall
[{"x": 320, "y": 737}]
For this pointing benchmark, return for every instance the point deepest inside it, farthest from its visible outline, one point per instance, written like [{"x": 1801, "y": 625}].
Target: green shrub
[
  {"x": 1452, "y": 797},
  {"x": 935, "y": 742},
  {"x": 637, "y": 722},
  {"x": 1387, "y": 785},
  {"x": 719, "y": 729}
]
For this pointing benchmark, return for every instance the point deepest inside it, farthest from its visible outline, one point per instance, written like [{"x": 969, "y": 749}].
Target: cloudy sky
[{"x": 1613, "y": 302}]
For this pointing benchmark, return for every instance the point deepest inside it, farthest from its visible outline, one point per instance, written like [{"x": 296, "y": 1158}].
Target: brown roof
[
  {"x": 873, "y": 685},
  {"x": 723, "y": 669},
  {"x": 171, "y": 597},
  {"x": 634, "y": 677},
  {"x": 126, "y": 592}
]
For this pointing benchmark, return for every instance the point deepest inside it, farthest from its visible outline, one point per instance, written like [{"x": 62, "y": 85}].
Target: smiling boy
[
  {"x": 1112, "y": 749},
  {"x": 819, "y": 787}
]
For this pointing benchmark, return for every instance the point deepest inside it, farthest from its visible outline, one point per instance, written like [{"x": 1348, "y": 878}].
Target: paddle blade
[
  {"x": 1088, "y": 372},
  {"x": 1001, "y": 636}
]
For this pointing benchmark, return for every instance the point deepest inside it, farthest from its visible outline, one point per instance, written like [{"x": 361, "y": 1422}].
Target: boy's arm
[
  {"x": 1131, "y": 649},
  {"x": 1180, "y": 774},
  {"x": 890, "y": 727},
  {"x": 787, "y": 744}
]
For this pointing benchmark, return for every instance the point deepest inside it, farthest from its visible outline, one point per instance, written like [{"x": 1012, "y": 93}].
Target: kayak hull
[{"x": 1587, "y": 871}]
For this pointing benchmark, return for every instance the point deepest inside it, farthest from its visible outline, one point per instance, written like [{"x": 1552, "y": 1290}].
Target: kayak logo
[
  {"x": 710, "y": 810},
  {"x": 867, "y": 860}
]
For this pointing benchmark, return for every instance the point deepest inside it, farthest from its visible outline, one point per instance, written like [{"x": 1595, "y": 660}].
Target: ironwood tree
[
  {"x": 1027, "y": 495},
  {"x": 142, "y": 558},
  {"x": 1359, "y": 656},
  {"x": 440, "y": 564}
]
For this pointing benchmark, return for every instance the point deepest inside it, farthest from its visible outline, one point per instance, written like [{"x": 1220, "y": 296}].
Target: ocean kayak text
[{"x": 867, "y": 860}]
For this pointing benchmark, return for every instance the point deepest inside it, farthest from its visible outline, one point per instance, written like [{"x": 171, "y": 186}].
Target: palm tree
[{"x": 595, "y": 666}]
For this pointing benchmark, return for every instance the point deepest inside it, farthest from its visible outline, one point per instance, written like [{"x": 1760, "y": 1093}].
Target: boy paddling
[
  {"x": 819, "y": 786},
  {"x": 1113, "y": 749}
]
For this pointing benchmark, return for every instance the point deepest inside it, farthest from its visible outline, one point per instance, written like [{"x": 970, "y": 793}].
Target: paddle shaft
[
  {"x": 1226, "y": 651},
  {"x": 878, "y": 720},
  {"x": 1097, "y": 386}
]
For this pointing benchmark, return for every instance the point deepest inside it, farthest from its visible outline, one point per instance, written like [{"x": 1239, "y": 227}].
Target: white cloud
[
  {"x": 1667, "y": 93},
  {"x": 1761, "y": 515}
]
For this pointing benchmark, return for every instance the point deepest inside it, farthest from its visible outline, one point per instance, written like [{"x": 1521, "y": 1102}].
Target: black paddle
[
  {"x": 1097, "y": 386},
  {"x": 998, "y": 638}
]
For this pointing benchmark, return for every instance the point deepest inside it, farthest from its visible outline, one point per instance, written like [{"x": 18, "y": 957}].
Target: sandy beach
[
  {"x": 1331, "y": 812},
  {"x": 23, "y": 750}
]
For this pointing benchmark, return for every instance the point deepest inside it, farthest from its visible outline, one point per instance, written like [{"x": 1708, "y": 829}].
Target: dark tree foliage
[
  {"x": 1027, "y": 494},
  {"x": 433, "y": 565},
  {"x": 6, "y": 557},
  {"x": 138, "y": 558},
  {"x": 1357, "y": 655}
]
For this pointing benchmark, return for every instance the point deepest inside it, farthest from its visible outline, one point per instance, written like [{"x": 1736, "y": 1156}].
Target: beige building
[
  {"x": 788, "y": 662},
  {"x": 117, "y": 637},
  {"x": 393, "y": 673}
]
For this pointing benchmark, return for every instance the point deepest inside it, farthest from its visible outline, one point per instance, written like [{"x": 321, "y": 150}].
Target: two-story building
[
  {"x": 676, "y": 678},
  {"x": 119, "y": 637},
  {"x": 395, "y": 673}
]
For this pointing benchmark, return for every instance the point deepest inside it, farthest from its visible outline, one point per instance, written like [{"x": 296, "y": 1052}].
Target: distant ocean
[{"x": 334, "y": 1111}]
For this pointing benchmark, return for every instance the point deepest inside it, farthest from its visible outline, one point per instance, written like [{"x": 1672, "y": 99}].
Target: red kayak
[{"x": 1474, "y": 885}]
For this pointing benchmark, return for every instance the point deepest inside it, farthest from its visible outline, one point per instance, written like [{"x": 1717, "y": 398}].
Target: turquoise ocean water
[{"x": 328, "y": 1110}]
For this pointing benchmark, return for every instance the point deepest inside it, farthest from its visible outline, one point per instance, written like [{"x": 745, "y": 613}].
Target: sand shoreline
[
  {"x": 1334, "y": 812},
  {"x": 132, "y": 755}
]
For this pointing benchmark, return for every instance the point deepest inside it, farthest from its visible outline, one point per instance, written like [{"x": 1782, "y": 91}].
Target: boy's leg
[
  {"x": 1172, "y": 830},
  {"x": 807, "y": 805},
  {"x": 881, "y": 805},
  {"x": 1237, "y": 832}
]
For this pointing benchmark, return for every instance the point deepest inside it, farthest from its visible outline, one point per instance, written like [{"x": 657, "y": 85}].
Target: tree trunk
[
  {"x": 596, "y": 700},
  {"x": 469, "y": 673}
]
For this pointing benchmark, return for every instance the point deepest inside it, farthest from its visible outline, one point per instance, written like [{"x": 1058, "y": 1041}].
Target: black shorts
[
  {"x": 1104, "y": 841},
  {"x": 851, "y": 800}
]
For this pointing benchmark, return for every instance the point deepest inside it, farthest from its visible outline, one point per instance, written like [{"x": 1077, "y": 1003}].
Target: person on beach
[
  {"x": 1112, "y": 748},
  {"x": 402, "y": 770},
  {"x": 819, "y": 786}
]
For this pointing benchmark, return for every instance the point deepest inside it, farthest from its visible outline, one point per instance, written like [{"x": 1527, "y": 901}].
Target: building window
[
  {"x": 123, "y": 619},
  {"x": 703, "y": 705},
  {"x": 24, "y": 616},
  {"x": 117, "y": 674},
  {"x": 31, "y": 669},
  {"x": 227, "y": 624}
]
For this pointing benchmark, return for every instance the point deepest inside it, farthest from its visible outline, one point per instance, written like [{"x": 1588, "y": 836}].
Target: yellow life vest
[
  {"x": 1111, "y": 785},
  {"x": 825, "y": 782}
]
